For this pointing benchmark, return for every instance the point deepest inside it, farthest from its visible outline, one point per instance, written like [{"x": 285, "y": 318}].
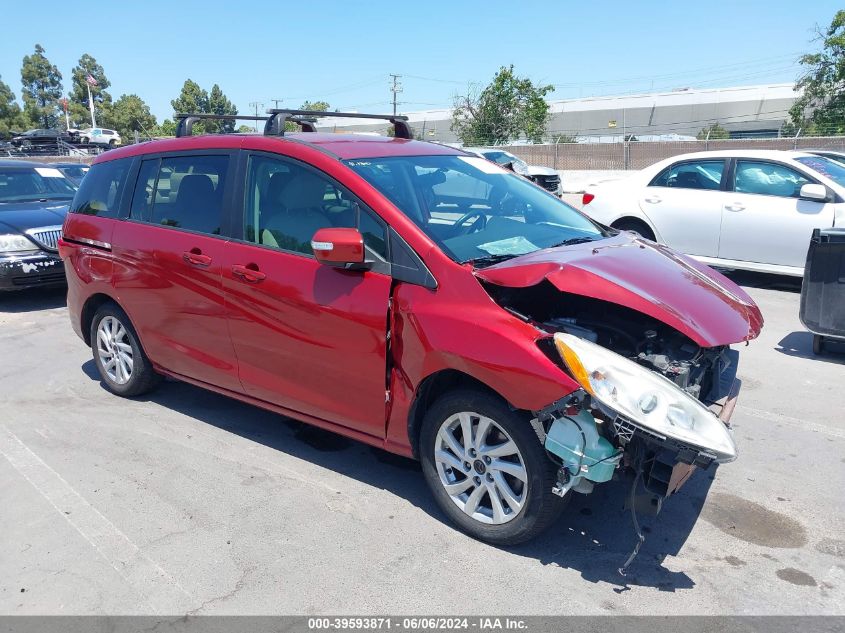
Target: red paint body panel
[
  {"x": 692, "y": 298},
  {"x": 177, "y": 307},
  {"x": 310, "y": 337}
]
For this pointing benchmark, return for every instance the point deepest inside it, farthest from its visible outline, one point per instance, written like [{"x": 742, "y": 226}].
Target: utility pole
[
  {"x": 395, "y": 88},
  {"x": 256, "y": 105},
  {"x": 276, "y": 102}
]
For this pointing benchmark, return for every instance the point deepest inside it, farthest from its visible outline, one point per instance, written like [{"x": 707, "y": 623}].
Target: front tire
[
  {"x": 634, "y": 226},
  {"x": 487, "y": 469},
  {"x": 123, "y": 365}
]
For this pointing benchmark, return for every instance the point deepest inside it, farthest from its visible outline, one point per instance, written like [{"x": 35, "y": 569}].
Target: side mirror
[
  {"x": 814, "y": 192},
  {"x": 340, "y": 247}
]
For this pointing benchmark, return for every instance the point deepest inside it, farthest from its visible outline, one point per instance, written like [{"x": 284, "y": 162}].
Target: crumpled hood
[
  {"x": 22, "y": 216},
  {"x": 686, "y": 295}
]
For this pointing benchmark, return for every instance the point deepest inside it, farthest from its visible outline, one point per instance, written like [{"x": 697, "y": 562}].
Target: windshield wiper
[
  {"x": 574, "y": 240},
  {"x": 489, "y": 260}
]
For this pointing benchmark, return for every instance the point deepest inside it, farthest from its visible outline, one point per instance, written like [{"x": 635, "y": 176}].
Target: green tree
[
  {"x": 165, "y": 128},
  {"x": 822, "y": 84},
  {"x": 80, "y": 114},
  {"x": 715, "y": 132},
  {"x": 245, "y": 129},
  {"x": 11, "y": 115},
  {"x": 193, "y": 99},
  {"x": 219, "y": 104},
  {"x": 129, "y": 114},
  {"x": 42, "y": 89},
  {"x": 320, "y": 106},
  {"x": 508, "y": 107}
]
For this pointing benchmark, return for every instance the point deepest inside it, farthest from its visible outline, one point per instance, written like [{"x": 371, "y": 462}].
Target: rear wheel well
[
  {"x": 634, "y": 224},
  {"x": 89, "y": 310},
  {"x": 432, "y": 388}
]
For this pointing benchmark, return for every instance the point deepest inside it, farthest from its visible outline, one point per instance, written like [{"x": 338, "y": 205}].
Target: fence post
[
  {"x": 557, "y": 140},
  {"x": 707, "y": 140},
  {"x": 795, "y": 140}
]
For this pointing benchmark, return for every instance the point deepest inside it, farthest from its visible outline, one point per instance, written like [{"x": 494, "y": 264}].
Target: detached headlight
[
  {"x": 646, "y": 398},
  {"x": 15, "y": 243}
]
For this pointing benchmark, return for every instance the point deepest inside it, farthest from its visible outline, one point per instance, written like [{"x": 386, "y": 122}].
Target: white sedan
[{"x": 744, "y": 209}]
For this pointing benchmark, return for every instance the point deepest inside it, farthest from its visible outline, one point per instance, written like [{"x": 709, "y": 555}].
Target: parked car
[
  {"x": 40, "y": 137},
  {"x": 34, "y": 199},
  {"x": 74, "y": 172},
  {"x": 739, "y": 209},
  {"x": 546, "y": 177},
  {"x": 100, "y": 136},
  {"x": 520, "y": 351}
]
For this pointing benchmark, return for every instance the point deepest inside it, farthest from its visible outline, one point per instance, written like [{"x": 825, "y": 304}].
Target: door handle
[
  {"x": 653, "y": 200},
  {"x": 248, "y": 273},
  {"x": 195, "y": 257},
  {"x": 734, "y": 207}
]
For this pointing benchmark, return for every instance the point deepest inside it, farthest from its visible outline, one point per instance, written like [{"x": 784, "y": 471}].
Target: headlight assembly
[
  {"x": 15, "y": 243},
  {"x": 644, "y": 397}
]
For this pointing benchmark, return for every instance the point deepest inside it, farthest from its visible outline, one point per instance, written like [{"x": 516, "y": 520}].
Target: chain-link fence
[{"x": 639, "y": 154}]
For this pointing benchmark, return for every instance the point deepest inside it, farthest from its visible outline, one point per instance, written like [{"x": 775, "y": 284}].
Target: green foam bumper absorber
[{"x": 584, "y": 452}]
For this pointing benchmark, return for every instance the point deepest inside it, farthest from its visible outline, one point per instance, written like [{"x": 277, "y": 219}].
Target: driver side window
[{"x": 287, "y": 203}]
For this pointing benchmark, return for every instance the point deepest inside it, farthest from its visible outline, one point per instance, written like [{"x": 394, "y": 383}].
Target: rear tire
[
  {"x": 124, "y": 367},
  {"x": 506, "y": 461},
  {"x": 635, "y": 226}
]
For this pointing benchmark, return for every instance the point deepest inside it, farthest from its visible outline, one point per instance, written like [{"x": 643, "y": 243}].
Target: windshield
[
  {"x": 826, "y": 167},
  {"x": 37, "y": 183},
  {"x": 474, "y": 210}
]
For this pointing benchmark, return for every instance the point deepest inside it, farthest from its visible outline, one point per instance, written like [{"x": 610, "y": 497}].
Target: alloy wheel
[
  {"x": 481, "y": 468},
  {"x": 114, "y": 350}
]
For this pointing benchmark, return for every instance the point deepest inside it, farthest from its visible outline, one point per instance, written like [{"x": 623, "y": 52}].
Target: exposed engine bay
[
  {"x": 591, "y": 441},
  {"x": 699, "y": 371}
]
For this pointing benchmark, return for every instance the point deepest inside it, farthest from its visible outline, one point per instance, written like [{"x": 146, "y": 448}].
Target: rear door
[
  {"x": 763, "y": 219},
  {"x": 684, "y": 203},
  {"x": 308, "y": 337},
  {"x": 168, "y": 264}
]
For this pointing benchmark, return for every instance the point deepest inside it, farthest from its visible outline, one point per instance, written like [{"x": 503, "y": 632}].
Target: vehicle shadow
[
  {"x": 800, "y": 344},
  {"x": 766, "y": 281},
  {"x": 594, "y": 536},
  {"x": 32, "y": 300}
]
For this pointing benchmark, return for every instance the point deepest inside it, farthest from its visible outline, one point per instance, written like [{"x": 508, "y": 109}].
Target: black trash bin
[{"x": 823, "y": 290}]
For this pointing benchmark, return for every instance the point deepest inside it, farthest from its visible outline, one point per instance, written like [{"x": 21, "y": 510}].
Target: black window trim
[
  {"x": 723, "y": 183},
  {"x": 228, "y": 207}
]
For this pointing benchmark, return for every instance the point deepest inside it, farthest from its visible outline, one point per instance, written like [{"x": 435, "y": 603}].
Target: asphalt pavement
[{"x": 188, "y": 502}]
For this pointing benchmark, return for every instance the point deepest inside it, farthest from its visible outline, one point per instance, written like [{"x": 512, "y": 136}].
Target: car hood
[
  {"x": 629, "y": 271},
  {"x": 21, "y": 216},
  {"x": 536, "y": 170}
]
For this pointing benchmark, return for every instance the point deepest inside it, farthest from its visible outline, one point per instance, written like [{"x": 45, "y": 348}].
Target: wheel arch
[
  {"x": 433, "y": 387},
  {"x": 636, "y": 219}
]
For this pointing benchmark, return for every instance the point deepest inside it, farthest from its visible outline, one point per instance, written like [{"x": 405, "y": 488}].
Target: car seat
[
  {"x": 197, "y": 206},
  {"x": 302, "y": 214}
]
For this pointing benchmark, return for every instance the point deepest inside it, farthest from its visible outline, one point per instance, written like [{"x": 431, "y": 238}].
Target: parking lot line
[
  {"x": 156, "y": 588},
  {"x": 806, "y": 425}
]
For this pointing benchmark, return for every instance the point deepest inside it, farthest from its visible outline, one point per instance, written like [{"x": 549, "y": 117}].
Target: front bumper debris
[{"x": 31, "y": 270}]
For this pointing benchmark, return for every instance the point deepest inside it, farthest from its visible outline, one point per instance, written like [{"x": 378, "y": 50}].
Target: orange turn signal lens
[{"x": 570, "y": 358}]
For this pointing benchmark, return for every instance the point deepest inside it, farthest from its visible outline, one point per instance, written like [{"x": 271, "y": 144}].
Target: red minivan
[{"x": 416, "y": 298}]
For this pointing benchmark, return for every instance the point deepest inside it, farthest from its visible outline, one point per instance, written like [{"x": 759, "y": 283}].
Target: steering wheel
[{"x": 478, "y": 225}]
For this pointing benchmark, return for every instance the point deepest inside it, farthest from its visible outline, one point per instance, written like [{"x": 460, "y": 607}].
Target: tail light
[{"x": 587, "y": 199}]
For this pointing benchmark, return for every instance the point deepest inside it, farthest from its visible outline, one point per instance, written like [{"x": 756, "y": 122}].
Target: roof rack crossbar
[
  {"x": 185, "y": 121},
  {"x": 306, "y": 118}
]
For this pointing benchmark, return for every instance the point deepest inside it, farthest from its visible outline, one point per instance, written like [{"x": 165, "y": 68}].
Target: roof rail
[{"x": 306, "y": 118}]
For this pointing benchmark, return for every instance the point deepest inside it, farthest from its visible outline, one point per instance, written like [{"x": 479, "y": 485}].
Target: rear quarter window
[{"x": 100, "y": 191}]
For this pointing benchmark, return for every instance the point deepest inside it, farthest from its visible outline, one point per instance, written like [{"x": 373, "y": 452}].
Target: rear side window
[
  {"x": 184, "y": 192},
  {"x": 701, "y": 174},
  {"x": 100, "y": 191}
]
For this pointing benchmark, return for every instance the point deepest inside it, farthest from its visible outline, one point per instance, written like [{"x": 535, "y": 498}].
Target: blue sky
[{"x": 342, "y": 52}]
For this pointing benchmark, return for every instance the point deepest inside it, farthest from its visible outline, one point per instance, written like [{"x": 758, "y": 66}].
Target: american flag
[{"x": 91, "y": 81}]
